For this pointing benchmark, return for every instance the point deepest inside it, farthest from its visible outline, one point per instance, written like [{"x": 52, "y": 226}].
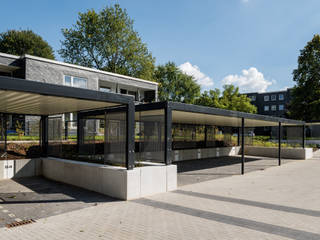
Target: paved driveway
[
  {"x": 195, "y": 171},
  {"x": 37, "y": 197},
  {"x": 277, "y": 203}
]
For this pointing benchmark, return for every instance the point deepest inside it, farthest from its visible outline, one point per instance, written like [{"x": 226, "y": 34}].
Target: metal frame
[
  {"x": 171, "y": 106},
  {"x": 44, "y": 135},
  {"x": 242, "y": 146},
  {"x": 27, "y": 86},
  {"x": 279, "y": 143}
]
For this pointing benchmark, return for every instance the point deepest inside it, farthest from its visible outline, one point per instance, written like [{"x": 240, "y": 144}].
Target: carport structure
[
  {"x": 170, "y": 132},
  {"x": 19, "y": 96}
]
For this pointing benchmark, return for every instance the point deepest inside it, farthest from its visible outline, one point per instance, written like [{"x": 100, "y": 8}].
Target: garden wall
[
  {"x": 289, "y": 153},
  {"x": 20, "y": 168},
  {"x": 113, "y": 181},
  {"x": 190, "y": 154}
]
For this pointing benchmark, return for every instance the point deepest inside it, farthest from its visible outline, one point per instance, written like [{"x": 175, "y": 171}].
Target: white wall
[
  {"x": 113, "y": 181},
  {"x": 289, "y": 153}
]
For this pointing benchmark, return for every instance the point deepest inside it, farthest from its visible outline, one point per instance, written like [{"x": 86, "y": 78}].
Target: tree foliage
[
  {"x": 305, "y": 103},
  {"x": 230, "y": 99},
  {"x": 25, "y": 42},
  {"x": 106, "y": 40},
  {"x": 174, "y": 85}
]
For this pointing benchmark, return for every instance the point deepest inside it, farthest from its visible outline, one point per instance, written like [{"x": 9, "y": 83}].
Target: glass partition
[
  {"x": 115, "y": 138},
  {"x": 55, "y": 136},
  {"x": 150, "y": 136}
]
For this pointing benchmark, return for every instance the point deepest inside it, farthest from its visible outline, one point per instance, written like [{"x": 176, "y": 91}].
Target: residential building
[
  {"x": 60, "y": 73},
  {"x": 271, "y": 103}
]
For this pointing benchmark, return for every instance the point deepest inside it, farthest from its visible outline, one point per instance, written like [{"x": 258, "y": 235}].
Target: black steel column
[
  {"x": 66, "y": 130},
  {"x": 80, "y": 132},
  {"x": 130, "y": 141},
  {"x": 5, "y": 118},
  {"x": 44, "y": 135},
  {"x": 279, "y": 144},
  {"x": 242, "y": 146},
  {"x": 168, "y": 134},
  {"x": 303, "y": 136},
  {"x": 205, "y": 135}
]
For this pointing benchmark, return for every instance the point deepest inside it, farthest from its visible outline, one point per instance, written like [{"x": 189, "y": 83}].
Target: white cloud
[
  {"x": 200, "y": 77},
  {"x": 250, "y": 80}
]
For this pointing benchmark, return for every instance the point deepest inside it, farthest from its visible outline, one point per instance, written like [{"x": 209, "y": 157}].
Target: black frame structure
[
  {"x": 42, "y": 92},
  {"x": 169, "y": 107}
]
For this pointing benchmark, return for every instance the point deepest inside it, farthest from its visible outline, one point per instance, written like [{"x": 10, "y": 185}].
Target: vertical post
[
  {"x": 168, "y": 134},
  {"x": 66, "y": 130},
  {"x": 205, "y": 136},
  {"x": 5, "y": 132},
  {"x": 130, "y": 141},
  {"x": 242, "y": 146},
  {"x": 80, "y": 133},
  {"x": 279, "y": 144},
  {"x": 303, "y": 135},
  {"x": 44, "y": 135}
]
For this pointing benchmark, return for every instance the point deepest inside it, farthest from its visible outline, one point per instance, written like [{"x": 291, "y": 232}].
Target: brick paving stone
[{"x": 277, "y": 203}]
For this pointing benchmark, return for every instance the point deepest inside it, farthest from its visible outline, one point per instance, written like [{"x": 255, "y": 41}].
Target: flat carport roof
[
  {"x": 195, "y": 114},
  {"x": 20, "y": 96}
]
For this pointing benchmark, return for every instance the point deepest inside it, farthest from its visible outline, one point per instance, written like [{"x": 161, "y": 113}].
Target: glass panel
[
  {"x": 149, "y": 137},
  {"x": 55, "y": 136},
  {"x": 79, "y": 82},
  {"x": 67, "y": 80},
  {"x": 115, "y": 138}
]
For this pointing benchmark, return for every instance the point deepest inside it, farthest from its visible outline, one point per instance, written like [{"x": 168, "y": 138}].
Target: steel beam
[
  {"x": 303, "y": 136},
  {"x": 168, "y": 134},
  {"x": 279, "y": 143},
  {"x": 242, "y": 146},
  {"x": 130, "y": 141},
  {"x": 44, "y": 135}
]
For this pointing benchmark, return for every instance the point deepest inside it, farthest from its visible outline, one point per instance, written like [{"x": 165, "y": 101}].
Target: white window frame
[
  {"x": 273, "y": 97},
  {"x": 266, "y": 98},
  {"x": 274, "y": 108},
  {"x": 281, "y": 98},
  {"x": 72, "y": 81},
  {"x": 266, "y": 108}
]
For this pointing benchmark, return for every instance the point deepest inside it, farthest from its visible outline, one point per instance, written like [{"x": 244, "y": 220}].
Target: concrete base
[
  {"x": 288, "y": 153},
  {"x": 191, "y": 154},
  {"x": 113, "y": 181},
  {"x": 20, "y": 168}
]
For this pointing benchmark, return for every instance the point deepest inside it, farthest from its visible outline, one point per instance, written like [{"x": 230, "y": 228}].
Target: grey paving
[
  {"x": 200, "y": 170},
  {"x": 36, "y": 197},
  {"x": 277, "y": 203}
]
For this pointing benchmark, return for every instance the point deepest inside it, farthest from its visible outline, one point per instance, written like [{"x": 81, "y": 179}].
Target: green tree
[
  {"x": 25, "y": 42},
  {"x": 106, "y": 40},
  {"x": 230, "y": 99},
  {"x": 174, "y": 85},
  {"x": 305, "y": 103}
]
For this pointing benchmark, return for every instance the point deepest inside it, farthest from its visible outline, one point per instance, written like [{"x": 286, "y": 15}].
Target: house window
[
  {"x": 266, "y": 98},
  {"x": 273, "y": 97},
  {"x": 281, "y": 107},
  {"x": 105, "y": 89},
  {"x": 281, "y": 96},
  {"x": 123, "y": 91},
  {"x": 274, "y": 108},
  {"x": 253, "y": 98},
  {"x": 75, "y": 82},
  {"x": 266, "y": 108}
]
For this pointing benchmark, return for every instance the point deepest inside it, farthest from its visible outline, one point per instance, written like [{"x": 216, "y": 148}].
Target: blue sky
[{"x": 251, "y": 43}]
